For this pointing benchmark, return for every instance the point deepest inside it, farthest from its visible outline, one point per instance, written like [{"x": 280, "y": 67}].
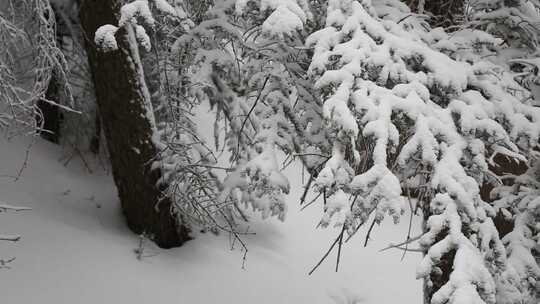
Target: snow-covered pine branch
[
  {"x": 416, "y": 118},
  {"x": 139, "y": 15},
  {"x": 254, "y": 100},
  {"x": 249, "y": 101},
  {"x": 516, "y": 22},
  {"x": 398, "y": 109},
  {"x": 520, "y": 204}
]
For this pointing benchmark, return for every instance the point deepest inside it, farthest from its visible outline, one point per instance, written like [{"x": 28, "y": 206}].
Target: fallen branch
[
  {"x": 8, "y": 237},
  {"x": 4, "y": 263},
  {"x": 6, "y": 207}
]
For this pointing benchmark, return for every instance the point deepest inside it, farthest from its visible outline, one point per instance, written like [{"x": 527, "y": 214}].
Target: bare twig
[
  {"x": 339, "y": 247},
  {"x": 311, "y": 202},
  {"x": 325, "y": 255},
  {"x": 410, "y": 240},
  {"x": 6, "y": 207},
  {"x": 248, "y": 114},
  {"x": 25, "y": 161},
  {"x": 306, "y": 189},
  {"x": 410, "y": 223},
  {"x": 11, "y": 238},
  {"x": 4, "y": 263},
  {"x": 369, "y": 232}
]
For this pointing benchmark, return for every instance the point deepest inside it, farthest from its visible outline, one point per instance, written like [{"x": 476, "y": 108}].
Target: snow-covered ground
[{"x": 75, "y": 248}]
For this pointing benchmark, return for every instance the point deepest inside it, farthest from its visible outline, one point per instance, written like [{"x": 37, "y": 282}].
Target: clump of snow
[
  {"x": 105, "y": 39},
  {"x": 282, "y": 21},
  {"x": 285, "y": 18},
  {"x": 136, "y": 9},
  {"x": 143, "y": 38},
  {"x": 165, "y": 7}
]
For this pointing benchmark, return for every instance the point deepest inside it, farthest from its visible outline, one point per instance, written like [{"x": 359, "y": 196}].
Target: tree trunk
[
  {"x": 50, "y": 117},
  {"x": 128, "y": 123}
]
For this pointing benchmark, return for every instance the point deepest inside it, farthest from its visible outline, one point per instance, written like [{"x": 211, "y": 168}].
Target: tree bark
[
  {"x": 50, "y": 117},
  {"x": 129, "y": 126}
]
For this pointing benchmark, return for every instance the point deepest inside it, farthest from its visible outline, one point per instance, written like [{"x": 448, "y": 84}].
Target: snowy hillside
[{"x": 75, "y": 248}]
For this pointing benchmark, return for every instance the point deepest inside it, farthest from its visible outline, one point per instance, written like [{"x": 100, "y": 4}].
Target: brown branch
[
  {"x": 339, "y": 247},
  {"x": 4, "y": 207},
  {"x": 410, "y": 223},
  {"x": 247, "y": 116},
  {"x": 11, "y": 238},
  {"x": 369, "y": 231},
  {"x": 311, "y": 202},
  {"x": 306, "y": 189}
]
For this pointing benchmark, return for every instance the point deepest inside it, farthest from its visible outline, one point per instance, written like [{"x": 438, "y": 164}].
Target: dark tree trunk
[
  {"x": 96, "y": 137},
  {"x": 128, "y": 125},
  {"x": 503, "y": 165},
  {"x": 51, "y": 117}
]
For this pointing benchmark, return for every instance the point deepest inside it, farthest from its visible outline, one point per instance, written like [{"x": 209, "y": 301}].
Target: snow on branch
[
  {"x": 105, "y": 37},
  {"x": 132, "y": 14},
  {"x": 5, "y": 207},
  {"x": 378, "y": 107},
  {"x": 409, "y": 108},
  {"x": 9, "y": 237},
  {"x": 27, "y": 30}
]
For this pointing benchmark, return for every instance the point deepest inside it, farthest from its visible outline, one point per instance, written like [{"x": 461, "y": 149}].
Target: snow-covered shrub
[
  {"x": 239, "y": 67},
  {"x": 422, "y": 113},
  {"x": 380, "y": 108}
]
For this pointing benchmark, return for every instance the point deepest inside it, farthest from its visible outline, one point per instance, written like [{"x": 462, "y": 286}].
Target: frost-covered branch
[
  {"x": 29, "y": 57},
  {"x": 5, "y": 207},
  {"x": 379, "y": 108},
  {"x": 415, "y": 108}
]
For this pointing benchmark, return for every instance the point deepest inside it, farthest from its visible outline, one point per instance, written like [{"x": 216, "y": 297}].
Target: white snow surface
[{"x": 76, "y": 248}]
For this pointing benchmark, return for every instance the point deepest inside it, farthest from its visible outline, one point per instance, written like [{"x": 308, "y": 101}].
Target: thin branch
[
  {"x": 306, "y": 189},
  {"x": 410, "y": 223},
  {"x": 339, "y": 247},
  {"x": 325, "y": 255},
  {"x": 11, "y": 238},
  {"x": 369, "y": 231},
  {"x": 248, "y": 114},
  {"x": 403, "y": 243},
  {"x": 359, "y": 224},
  {"x": 6, "y": 207},
  {"x": 4, "y": 263},
  {"x": 409, "y": 249},
  {"x": 311, "y": 202}
]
